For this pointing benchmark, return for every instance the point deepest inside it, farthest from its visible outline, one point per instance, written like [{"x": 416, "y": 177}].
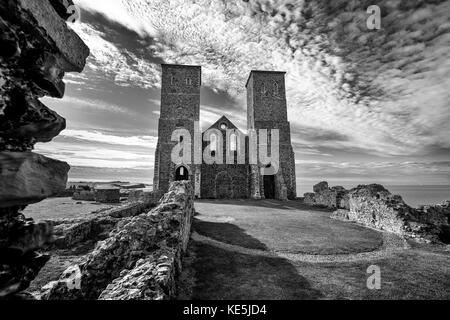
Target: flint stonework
[{"x": 266, "y": 110}]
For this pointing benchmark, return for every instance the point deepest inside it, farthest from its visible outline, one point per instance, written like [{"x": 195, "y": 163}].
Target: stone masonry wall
[
  {"x": 107, "y": 195},
  {"x": 374, "y": 206},
  {"x": 180, "y": 108},
  {"x": 36, "y": 49},
  {"x": 324, "y": 196},
  {"x": 140, "y": 260},
  {"x": 267, "y": 109},
  {"x": 218, "y": 180},
  {"x": 68, "y": 233}
]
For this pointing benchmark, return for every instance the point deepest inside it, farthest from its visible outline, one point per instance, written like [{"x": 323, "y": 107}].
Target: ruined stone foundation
[
  {"x": 141, "y": 259},
  {"x": 374, "y": 206}
]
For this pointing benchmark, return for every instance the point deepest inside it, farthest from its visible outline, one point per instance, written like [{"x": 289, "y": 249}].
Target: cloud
[
  {"x": 115, "y": 63},
  {"x": 210, "y": 114},
  {"x": 115, "y": 11},
  {"x": 369, "y": 86},
  {"x": 93, "y": 148},
  {"x": 410, "y": 172},
  {"x": 94, "y": 104},
  {"x": 96, "y": 136},
  {"x": 349, "y": 89},
  {"x": 100, "y": 156}
]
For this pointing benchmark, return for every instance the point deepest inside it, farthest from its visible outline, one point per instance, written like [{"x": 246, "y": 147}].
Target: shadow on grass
[
  {"x": 221, "y": 274},
  {"x": 227, "y": 233}
]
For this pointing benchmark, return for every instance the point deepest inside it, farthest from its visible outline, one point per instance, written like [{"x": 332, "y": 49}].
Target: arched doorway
[
  {"x": 181, "y": 174},
  {"x": 269, "y": 186},
  {"x": 224, "y": 186}
]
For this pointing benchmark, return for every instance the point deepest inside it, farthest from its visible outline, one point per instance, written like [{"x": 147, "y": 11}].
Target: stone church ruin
[{"x": 266, "y": 110}]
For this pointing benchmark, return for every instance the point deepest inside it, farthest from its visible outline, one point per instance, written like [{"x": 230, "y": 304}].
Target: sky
[{"x": 365, "y": 106}]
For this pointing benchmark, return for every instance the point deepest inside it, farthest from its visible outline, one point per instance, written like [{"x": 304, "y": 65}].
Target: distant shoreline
[{"x": 97, "y": 181}]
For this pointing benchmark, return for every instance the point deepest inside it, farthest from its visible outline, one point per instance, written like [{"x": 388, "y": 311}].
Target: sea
[
  {"x": 420, "y": 195},
  {"x": 413, "y": 195}
]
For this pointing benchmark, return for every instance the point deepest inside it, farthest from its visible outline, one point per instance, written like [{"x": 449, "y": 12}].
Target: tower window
[
  {"x": 188, "y": 81},
  {"x": 263, "y": 90},
  {"x": 172, "y": 80},
  {"x": 276, "y": 89},
  {"x": 181, "y": 139}
]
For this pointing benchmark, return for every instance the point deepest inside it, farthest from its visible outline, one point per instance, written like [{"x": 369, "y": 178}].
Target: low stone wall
[
  {"x": 324, "y": 196},
  {"x": 140, "y": 195},
  {"x": 140, "y": 260},
  {"x": 83, "y": 195},
  {"x": 374, "y": 206},
  {"x": 70, "y": 232},
  {"x": 105, "y": 195},
  {"x": 153, "y": 278}
]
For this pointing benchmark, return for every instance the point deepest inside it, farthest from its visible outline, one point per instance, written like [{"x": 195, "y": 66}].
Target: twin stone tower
[{"x": 266, "y": 109}]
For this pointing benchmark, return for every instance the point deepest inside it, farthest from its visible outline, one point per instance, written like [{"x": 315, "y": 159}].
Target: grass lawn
[
  {"x": 210, "y": 272},
  {"x": 62, "y": 208},
  {"x": 221, "y": 274},
  {"x": 412, "y": 274},
  {"x": 282, "y": 226}
]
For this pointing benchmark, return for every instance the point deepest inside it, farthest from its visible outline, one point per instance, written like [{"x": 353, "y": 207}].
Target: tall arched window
[
  {"x": 213, "y": 139},
  {"x": 233, "y": 142}
]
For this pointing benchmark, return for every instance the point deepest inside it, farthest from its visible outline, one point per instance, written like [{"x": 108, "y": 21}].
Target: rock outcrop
[
  {"x": 37, "y": 48},
  {"x": 27, "y": 177},
  {"x": 374, "y": 206},
  {"x": 141, "y": 259}
]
